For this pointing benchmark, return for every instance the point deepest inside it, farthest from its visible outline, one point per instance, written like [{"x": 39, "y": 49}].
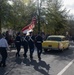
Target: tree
[
  {"x": 16, "y": 15},
  {"x": 19, "y": 14},
  {"x": 3, "y": 12},
  {"x": 56, "y": 17}
]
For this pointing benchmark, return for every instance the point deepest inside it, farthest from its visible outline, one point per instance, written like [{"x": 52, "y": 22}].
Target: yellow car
[{"x": 55, "y": 42}]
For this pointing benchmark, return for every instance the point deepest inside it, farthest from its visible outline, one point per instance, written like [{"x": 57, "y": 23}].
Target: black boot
[
  {"x": 31, "y": 57},
  {"x": 4, "y": 65},
  {"x": 17, "y": 55},
  {"x": 25, "y": 56},
  {"x": 39, "y": 58},
  {"x": 0, "y": 64}
]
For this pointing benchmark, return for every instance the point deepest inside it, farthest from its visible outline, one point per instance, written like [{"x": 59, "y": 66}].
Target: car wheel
[
  {"x": 61, "y": 50},
  {"x": 68, "y": 47},
  {"x": 45, "y": 50}
]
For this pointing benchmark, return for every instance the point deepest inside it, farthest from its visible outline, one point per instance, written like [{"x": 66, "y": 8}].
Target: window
[{"x": 54, "y": 38}]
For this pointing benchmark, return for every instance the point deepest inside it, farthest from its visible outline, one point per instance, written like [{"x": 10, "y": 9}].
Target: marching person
[
  {"x": 38, "y": 42},
  {"x": 3, "y": 50},
  {"x": 18, "y": 44},
  {"x": 31, "y": 41},
  {"x": 25, "y": 44}
]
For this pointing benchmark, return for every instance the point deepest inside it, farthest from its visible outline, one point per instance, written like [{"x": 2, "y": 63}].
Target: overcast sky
[{"x": 69, "y": 4}]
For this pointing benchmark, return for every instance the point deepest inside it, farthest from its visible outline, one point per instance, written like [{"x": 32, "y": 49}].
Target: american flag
[{"x": 29, "y": 27}]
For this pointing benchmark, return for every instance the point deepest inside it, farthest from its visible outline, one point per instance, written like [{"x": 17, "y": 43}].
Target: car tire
[
  {"x": 45, "y": 50},
  {"x": 68, "y": 46},
  {"x": 61, "y": 50}
]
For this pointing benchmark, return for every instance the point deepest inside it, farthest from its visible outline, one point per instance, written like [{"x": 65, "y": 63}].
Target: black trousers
[
  {"x": 31, "y": 47},
  {"x": 31, "y": 51},
  {"x": 39, "y": 50},
  {"x": 18, "y": 47},
  {"x": 3, "y": 53},
  {"x": 25, "y": 50}
]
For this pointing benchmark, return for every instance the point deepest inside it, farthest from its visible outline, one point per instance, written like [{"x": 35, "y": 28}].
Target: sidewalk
[{"x": 21, "y": 66}]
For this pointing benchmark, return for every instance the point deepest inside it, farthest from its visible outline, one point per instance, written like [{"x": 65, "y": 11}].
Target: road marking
[{"x": 64, "y": 69}]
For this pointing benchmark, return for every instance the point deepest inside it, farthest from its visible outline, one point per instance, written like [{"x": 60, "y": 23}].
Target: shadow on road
[
  {"x": 18, "y": 60},
  {"x": 61, "y": 55},
  {"x": 26, "y": 61},
  {"x": 2, "y": 71},
  {"x": 41, "y": 67},
  {"x": 52, "y": 52}
]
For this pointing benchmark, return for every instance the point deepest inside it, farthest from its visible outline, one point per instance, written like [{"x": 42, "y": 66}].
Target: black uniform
[
  {"x": 25, "y": 45},
  {"x": 31, "y": 41},
  {"x": 38, "y": 42},
  {"x": 18, "y": 43}
]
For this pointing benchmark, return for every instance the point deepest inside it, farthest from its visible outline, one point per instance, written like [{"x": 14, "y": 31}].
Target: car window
[
  {"x": 54, "y": 38},
  {"x": 64, "y": 39}
]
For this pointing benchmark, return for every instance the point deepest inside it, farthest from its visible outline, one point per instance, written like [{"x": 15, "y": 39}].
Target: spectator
[{"x": 3, "y": 50}]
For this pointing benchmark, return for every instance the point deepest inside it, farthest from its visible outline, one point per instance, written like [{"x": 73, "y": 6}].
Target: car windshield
[{"x": 54, "y": 38}]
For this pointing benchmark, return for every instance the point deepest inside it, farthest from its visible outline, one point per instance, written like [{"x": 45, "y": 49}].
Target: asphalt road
[{"x": 52, "y": 63}]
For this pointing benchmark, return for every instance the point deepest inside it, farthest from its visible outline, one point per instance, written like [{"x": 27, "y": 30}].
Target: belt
[
  {"x": 17, "y": 41},
  {"x": 38, "y": 41}
]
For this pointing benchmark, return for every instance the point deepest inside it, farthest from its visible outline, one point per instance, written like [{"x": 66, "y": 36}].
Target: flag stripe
[{"x": 30, "y": 26}]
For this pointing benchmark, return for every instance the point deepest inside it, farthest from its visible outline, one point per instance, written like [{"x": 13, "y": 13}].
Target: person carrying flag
[
  {"x": 25, "y": 44},
  {"x": 18, "y": 43},
  {"x": 31, "y": 41}
]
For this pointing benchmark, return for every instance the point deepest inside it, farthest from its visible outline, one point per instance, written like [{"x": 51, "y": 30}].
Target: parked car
[{"x": 55, "y": 42}]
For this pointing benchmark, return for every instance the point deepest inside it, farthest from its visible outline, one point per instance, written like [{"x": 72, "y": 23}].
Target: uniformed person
[
  {"x": 3, "y": 50},
  {"x": 18, "y": 44},
  {"x": 31, "y": 41},
  {"x": 38, "y": 42},
  {"x": 25, "y": 44}
]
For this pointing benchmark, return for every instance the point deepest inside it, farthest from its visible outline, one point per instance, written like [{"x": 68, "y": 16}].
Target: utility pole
[
  {"x": 0, "y": 15},
  {"x": 1, "y": 2},
  {"x": 38, "y": 14},
  {"x": 0, "y": 25}
]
